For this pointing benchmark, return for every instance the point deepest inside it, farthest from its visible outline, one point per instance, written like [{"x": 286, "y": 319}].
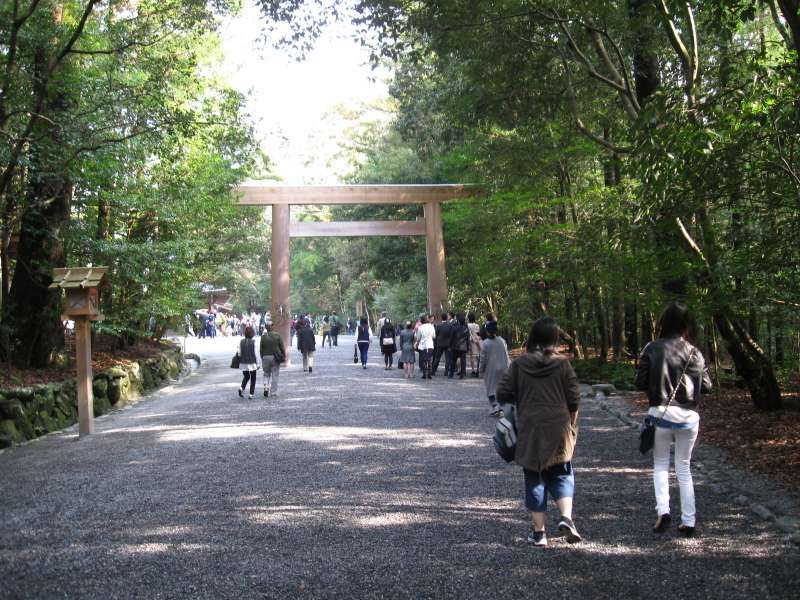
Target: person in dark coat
[
  {"x": 362, "y": 339},
  {"x": 459, "y": 346},
  {"x": 543, "y": 387},
  {"x": 248, "y": 361},
  {"x": 306, "y": 344},
  {"x": 388, "y": 345},
  {"x": 442, "y": 344}
]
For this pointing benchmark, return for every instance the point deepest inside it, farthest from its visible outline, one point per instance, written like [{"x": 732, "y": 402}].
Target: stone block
[
  {"x": 11, "y": 408},
  {"x": 762, "y": 511},
  {"x": 605, "y": 388},
  {"x": 100, "y": 386},
  {"x": 788, "y": 524},
  {"x": 9, "y": 431},
  {"x": 115, "y": 372},
  {"x": 113, "y": 391},
  {"x": 101, "y": 406}
]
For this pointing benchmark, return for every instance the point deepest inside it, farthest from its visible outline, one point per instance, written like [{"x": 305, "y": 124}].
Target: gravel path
[{"x": 350, "y": 484}]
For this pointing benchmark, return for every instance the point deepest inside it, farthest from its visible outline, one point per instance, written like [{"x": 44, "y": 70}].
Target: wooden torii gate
[{"x": 282, "y": 197}]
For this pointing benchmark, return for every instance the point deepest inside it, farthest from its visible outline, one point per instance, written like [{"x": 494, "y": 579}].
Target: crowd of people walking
[{"x": 538, "y": 391}]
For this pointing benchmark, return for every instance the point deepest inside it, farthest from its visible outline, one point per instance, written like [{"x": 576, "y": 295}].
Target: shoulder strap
[{"x": 680, "y": 380}]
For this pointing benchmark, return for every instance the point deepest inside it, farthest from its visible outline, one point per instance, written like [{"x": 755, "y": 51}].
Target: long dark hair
[
  {"x": 676, "y": 320},
  {"x": 543, "y": 336}
]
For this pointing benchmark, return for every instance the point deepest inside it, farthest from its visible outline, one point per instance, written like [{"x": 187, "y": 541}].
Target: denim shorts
[{"x": 558, "y": 481}]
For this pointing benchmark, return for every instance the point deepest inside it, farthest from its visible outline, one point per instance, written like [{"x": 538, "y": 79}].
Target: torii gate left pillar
[
  {"x": 281, "y": 282},
  {"x": 282, "y": 197}
]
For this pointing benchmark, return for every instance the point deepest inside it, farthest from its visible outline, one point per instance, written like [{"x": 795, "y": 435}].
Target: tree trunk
[
  {"x": 600, "y": 324},
  {"x": 632, "y": 345},
  {"x": 103, "y": 219},
  {"x": 32, "y": 319},
  {"x": 751, "y": 362}
]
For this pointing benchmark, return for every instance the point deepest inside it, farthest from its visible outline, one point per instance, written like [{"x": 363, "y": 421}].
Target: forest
[{"x": 632, "y": 152}]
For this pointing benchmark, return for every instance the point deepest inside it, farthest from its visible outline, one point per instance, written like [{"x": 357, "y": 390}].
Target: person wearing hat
[{"x": 493, "y": 364}]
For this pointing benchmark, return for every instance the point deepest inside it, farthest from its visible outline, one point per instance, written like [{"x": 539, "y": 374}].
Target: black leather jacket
[{"x": 661, "y": 364}]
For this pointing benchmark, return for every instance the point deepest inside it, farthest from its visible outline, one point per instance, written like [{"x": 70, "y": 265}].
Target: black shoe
[
  {"x": 663, "y": 523},
  {"x": 266, "y": 393},
  {"x": 567, "y": 527},
  {"x": 241, "y": 393},
  {"x": 686, "y": 531},
  {"x": 310, "y": 369}
]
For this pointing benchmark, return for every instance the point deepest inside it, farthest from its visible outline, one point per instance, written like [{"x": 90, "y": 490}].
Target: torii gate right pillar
[{"x": 434, "y": 251}]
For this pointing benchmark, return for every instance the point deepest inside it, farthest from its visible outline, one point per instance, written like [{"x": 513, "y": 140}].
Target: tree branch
[
  {"x": 628, "y": 98},
  {"x": 573, "y": 108},
  {"x": 75, "y": 35},
  {"x": 778, "y": 25},
  {"x": 586, "y": 62}
]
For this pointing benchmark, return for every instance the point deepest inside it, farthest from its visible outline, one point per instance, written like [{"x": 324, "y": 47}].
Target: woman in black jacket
[
  {"x": 672, "y": 371},
  {"x": 388, "y": 346},
  {"x": 362, "y": 340},
  {"x": 248, "y": 361},
  {"x": 306, "y": 344}
]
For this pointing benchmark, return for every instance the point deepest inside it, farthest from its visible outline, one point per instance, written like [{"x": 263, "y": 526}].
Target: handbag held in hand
[
  {"x": 236, "y": 361},
  {"x": 505, "y": 435}
]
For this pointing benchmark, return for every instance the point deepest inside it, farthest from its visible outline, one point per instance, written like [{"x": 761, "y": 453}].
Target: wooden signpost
[{"x": 82, "y": 286}]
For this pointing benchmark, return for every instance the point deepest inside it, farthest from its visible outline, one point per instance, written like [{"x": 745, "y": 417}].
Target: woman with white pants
[{"x": 674, "y": 374}]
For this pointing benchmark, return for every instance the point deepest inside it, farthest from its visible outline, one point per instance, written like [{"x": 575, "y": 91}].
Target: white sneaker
[{"x": 537, "y": 538}]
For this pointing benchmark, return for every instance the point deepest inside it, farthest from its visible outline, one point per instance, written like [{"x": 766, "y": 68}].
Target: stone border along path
[{"x": 350, "y": 484}]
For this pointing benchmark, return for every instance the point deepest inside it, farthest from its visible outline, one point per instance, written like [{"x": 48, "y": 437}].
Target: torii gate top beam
[{"x": 259, "y": 194}]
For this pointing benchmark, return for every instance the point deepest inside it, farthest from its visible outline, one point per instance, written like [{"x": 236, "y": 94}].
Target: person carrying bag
[
  {"x": 273, "y": 353},
  {"x": 673, "y": 372}
]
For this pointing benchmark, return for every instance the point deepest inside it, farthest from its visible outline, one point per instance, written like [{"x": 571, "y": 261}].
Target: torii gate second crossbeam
[{"x": 282, "y": 197}]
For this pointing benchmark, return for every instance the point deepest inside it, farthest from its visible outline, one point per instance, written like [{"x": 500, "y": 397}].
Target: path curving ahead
[{"x": 350, "y": 484}]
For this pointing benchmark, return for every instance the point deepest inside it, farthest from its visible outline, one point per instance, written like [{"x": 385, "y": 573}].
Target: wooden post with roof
[{"x": 82, "y": 286}]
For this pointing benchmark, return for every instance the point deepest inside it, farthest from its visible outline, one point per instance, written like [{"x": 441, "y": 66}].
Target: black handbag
[
  {"x": 355, "y": 354},
  {"x": 236, "y": 361},
  {"x": 647, "y": 432}
]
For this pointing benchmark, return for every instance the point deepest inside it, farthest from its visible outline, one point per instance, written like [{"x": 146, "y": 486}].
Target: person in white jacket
[{"x": 426, "y": 334}]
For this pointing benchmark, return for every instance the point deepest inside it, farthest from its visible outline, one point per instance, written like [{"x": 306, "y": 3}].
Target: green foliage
[
  {"x": 134, "y": 118},
  {"x": 621, "y": 374}
]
